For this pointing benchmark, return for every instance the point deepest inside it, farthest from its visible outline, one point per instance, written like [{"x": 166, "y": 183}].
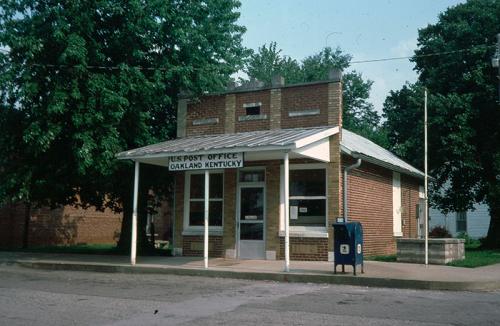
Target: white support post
[
  {"x": 133, "y": 243},
  {"x": 426, "y": 208},
  {"x": 205, "y": 247},
  {"x": 287, "y": 213}
]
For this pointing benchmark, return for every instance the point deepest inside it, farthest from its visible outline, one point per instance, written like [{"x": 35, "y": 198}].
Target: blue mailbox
[{"x": 348, "y": 245}]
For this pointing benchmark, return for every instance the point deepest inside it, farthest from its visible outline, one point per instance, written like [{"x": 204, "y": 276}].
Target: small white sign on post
[{"x": 206, "y": 161}]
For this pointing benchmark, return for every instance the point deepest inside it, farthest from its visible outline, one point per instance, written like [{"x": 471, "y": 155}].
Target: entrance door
[{"x": 251, "y": 222}]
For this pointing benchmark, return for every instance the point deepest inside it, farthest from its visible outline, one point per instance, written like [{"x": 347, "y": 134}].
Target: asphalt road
[{"x": 35, "y": 297}]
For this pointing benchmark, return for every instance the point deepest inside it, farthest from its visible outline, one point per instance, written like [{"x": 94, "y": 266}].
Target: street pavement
[
  {"x": 39, "y": 297},
  {"x": 377, "y": 274}
]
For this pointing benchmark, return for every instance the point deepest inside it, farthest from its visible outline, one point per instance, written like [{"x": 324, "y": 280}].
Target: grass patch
[
  {"x": 388, "y": 258},
  {"x": 475, "y": 257}
]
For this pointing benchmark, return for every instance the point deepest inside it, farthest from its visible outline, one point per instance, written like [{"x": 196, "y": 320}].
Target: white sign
[
  {"x": 344, "y": 249},
  {"x": 358, "y": 248},
  {"x": 294, "y": 212},
  {"x": 206, "y": 162}
]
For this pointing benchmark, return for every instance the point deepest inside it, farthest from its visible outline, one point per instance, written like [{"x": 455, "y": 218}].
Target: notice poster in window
[
  {"x": 294, "y": 212},
  {"x": 302, "y": 209}
]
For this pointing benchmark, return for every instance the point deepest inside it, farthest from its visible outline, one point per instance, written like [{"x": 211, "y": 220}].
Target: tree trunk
[
  {"x": 125, "y": 233},
  {"x": 492, "y": 240},
  {"x": 27, "y": 219},
  {"x": 143, "y": 245}
]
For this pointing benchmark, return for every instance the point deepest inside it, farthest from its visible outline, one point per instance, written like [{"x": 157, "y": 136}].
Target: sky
[{"x": 365, "y": 29}]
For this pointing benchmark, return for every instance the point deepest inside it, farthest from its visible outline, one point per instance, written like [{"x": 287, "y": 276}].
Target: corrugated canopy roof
[
  {"x": 358, "y": 146},
  {"x": 299, "y": 140},
  {"x": 280, "y": 139}
]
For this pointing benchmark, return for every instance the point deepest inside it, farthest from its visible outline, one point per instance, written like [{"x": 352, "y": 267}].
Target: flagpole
[{"x": 426, "y": 208}]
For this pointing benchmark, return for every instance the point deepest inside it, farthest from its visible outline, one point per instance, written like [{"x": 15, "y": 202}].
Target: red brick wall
[
  {"x": 293, "y": 98},
  {"x": 370, "y": 202},
  {"x": 193, "y": 246},
  {"x": 252, "y": 97},
  {"x": 311, "y": 249},
  {"x": 304, "y": 97},
  {"x": 208, "y": 107},
  {"x": 62, "y": 226},
  {"x": 11, "y": 225}
]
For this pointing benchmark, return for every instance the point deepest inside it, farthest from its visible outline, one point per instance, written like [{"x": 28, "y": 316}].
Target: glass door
[{"x": 251, "y": 218}]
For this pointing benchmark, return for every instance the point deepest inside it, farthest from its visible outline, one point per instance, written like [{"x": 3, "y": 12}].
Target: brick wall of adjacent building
[
  {"x": 62, "y": 226},
  {"x": 11, "y": 225}
]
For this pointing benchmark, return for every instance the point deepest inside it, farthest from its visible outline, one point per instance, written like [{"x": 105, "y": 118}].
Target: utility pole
[
  {"x": 426, "y": 207},
  {"x": 495, "y": 62}
]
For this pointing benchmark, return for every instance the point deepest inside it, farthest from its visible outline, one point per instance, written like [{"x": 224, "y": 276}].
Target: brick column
[
  {"x": 179, "y": 212},
  {"x": 335, "y": 104},
  {"x": 275, "y": 115},
  {"x": 181, "y": 117},
  {"x": 230, "y": 114},
  {"x": 334, "y": 189},
  {"x": 275, "y": 107},
  {"x": 272, "y": 210},
  {"x": 229, "y": 213}
]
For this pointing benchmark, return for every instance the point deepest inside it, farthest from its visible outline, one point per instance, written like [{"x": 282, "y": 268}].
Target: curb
[{"x": 268, "y": 276}]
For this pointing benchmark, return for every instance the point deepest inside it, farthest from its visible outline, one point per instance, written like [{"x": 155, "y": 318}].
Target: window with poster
[{"x": 308, "y": 198}]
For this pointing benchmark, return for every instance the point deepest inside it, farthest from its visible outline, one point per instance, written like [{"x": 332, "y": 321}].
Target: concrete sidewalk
[{"x": 377, "y": 274}]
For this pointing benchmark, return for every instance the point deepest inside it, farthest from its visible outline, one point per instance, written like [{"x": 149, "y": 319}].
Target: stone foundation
[{"x": 441, "y": 251}]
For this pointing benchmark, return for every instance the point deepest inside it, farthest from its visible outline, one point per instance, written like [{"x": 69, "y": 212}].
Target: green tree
[
  {"x": 359, "y": 114},
  {"x": 83, "y": 80},
  {"x": 464, "y": 114},
  {"x": 268, "y": 62}
]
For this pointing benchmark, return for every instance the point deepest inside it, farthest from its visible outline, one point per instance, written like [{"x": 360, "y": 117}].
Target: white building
[{"x": 474, "y": 222}]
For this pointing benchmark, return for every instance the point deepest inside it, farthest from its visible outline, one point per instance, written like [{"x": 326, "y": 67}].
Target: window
[
  {"x": 196, "y": 195},
  {"x": 252, "y": 110},
  {"x": 252, "y": 176},
  {"x": 461, "y": 221},
  {"x": 396, "y": 204},
  {"x": 308, "y": 197}
]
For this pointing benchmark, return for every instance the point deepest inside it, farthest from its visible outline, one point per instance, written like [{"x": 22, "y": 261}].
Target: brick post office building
[{"x": 247, "y": 143}]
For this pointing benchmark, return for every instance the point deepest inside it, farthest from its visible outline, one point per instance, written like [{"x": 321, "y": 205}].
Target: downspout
[{"x": 346, "y": 171}]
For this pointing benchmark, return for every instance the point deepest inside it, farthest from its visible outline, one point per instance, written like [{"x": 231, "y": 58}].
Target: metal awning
[
  {"x": 257, "y": 145},
  {"x": 357, "y": 146}
]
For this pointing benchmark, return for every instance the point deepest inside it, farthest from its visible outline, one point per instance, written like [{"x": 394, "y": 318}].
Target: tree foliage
[
  {"x": 83, "y": 80},
  {"x": 464, "y": 115},
  {"x": 359, "y": 114}
]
